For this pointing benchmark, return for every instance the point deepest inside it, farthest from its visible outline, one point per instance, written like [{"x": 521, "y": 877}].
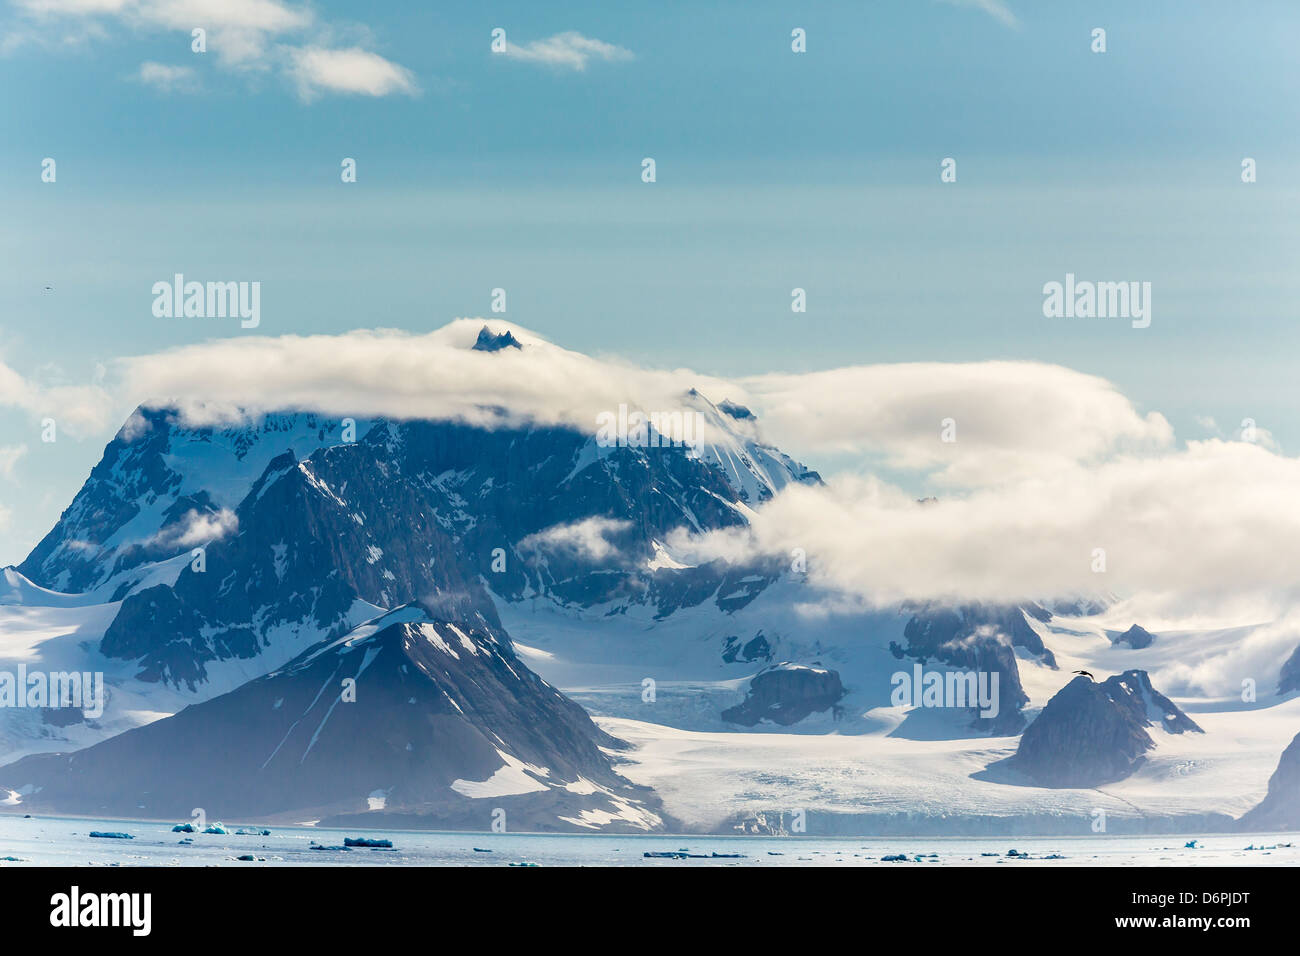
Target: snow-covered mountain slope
[
  {"x": 15, "y": 589},
  {"x": 160, "y": 489},
  {"x": 409, "y": 719},
  {"x": 564, "y": 543},
  {"x": 703, "y": 655},
  {"x": 305, "y": 531},
  {"x": 754, "y": 469},
  {"x": 60, "y": 633},
  {"x": 878, "y": 768}
]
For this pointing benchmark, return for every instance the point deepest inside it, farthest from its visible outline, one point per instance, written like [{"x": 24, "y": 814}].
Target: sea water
[{"x": 66, "y": 841}]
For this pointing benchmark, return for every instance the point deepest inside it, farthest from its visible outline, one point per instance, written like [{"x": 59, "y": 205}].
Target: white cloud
[
  {"x": 569, "y": 50},
  {"x": 396, "y": 374},
  {"x": 995, "y": 8},
  {"x": 348, "y": 71},
  {"x": 49, "y": 7},
  {"x": 1049, "y": 464},
  {"x": 1211, "y": 522},
  {"x": 1012, "y": 418},
  {"x": 1007, "y": 418},
  {"x": 585, "y": 538},
  {"x": 38, "y": 33},
  {"x": 9, "y": 457},
  {"x": 78, "y": 409},
  {"x": 169, "y": 79},
  {"x": 239, "y": 31},
  {"x": 1219, "y": 670},
  {"x": 262, "y": 16},
  {"x": 245, "y": 35},
  {"x": 197, "y": 528}
]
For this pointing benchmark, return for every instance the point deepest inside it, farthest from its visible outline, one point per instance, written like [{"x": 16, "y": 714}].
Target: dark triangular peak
[
  {"x": 489, "y": 342},
  {"x": 1093, "y": 733},
  {"x": 1135, "y": 637}
]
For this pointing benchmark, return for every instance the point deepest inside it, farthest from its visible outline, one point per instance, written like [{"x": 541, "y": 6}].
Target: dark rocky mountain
[
  {"x": 1135, "y": 637},
  {"x": 1094, "y": 733},
  {"x": 757, "y": 648},
  {"x": 310, "y": 526},
  {"x": 306, "y": 555},
  {"x": 1280, "y": 808},
  {"x": 444, "y": 725},
  {"x": 156, "y": 477},
  {"x": 487, "y": 342},
  {"x": 981, "y": 638},
  {"x": 785, "y": 694}
]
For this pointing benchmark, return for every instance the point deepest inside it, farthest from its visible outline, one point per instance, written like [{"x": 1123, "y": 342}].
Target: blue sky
[{"x": 775, "y": 170}]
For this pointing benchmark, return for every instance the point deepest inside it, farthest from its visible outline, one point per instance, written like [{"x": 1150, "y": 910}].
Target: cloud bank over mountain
[{"x": 1048, "y": 481}]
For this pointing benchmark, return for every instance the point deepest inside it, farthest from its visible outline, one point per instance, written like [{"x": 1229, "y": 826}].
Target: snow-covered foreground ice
[{"x": 59, "y": 841}]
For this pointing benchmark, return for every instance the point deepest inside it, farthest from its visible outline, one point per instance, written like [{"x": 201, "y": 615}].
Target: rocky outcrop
[
  {"x": 785, "y": 694},
  {"x": 981, "y": 638},
  {"x": 487, "y": 342},
  {"x": 757, "y": 648},
  {"x": 1095, "y": 733},
  {"x": 1135, "y": 637}
]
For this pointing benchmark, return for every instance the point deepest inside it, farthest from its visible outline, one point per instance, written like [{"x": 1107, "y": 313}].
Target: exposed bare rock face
[
  {"x": 1094, "y": 733},
  {"x": 1280, "y": 808},
  {"x": 785, "y": 694}
]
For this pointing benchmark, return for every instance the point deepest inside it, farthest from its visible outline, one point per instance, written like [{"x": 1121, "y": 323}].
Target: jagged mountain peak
[
  {"x": 1091, "y": 732},
  {"x": 302, "y": 527},
  {"x": 488, "y": 341},
  {"x": 155, "y": 490},
  {"x": 1136, "y": 637}
]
